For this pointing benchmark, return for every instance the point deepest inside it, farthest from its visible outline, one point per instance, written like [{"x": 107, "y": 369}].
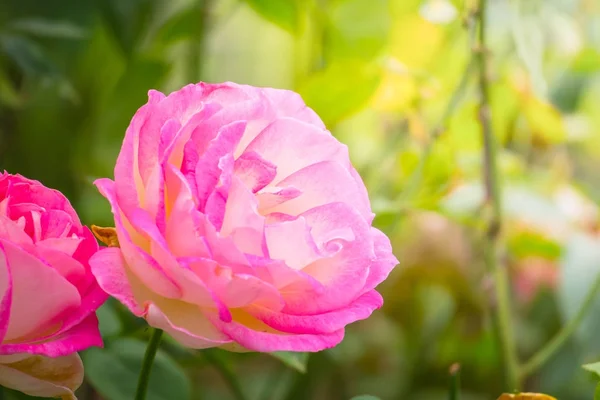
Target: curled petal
[
  {"x": 292, "y": 152},
  {"x": 343, "y": 236},
  {"x": 255, "y": 335},
  {"x": 81, "y": 336},
  {"x": 140, "y": 262},
  {"x": 329, "y": 322},
  {"x": 186, "y": 323},
  {"x": 384, "y": 261},
  {"x": 44, "y": 376},
  {"x": 108, "y": 265},
  {"x": 321, "y": 183},
  {"x": 30, "y": 275},
  {"x": 292, "y": 242}
]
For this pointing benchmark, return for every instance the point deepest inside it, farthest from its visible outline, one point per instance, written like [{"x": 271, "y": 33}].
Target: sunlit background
[{"x": 394, "y": 80}]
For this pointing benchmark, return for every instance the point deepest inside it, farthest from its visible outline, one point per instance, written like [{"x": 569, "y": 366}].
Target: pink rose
[
  {"x": 48, "y": 294},
  {"x": 241, "y": 223}
]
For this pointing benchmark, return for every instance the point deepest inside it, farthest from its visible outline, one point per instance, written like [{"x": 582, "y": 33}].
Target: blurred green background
[{"x": 382, "y": 74}]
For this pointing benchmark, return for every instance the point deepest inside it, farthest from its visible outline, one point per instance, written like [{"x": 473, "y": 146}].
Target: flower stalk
[
  {"x": 454, "y": 382},
  {"x": 556, "y": 343},
  {"x": 493, "y": 196},
  {"x": 144, "y": 377}
]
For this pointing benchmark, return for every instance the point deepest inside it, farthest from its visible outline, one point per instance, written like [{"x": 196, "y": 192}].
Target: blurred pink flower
[
  {"x": 241, "y": 223},
  {"x": 48, "y": 295},
  {"x": 532, "y": 274}
]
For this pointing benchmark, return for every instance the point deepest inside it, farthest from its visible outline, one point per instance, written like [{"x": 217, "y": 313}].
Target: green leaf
[
  {"x": 544, "y": 121},
  {"x": 284, "y": 13},
  {"x": 113, "y": 372},
  {"x": 528, "y": 36},
  {"x": 293, "y": 360},
  {"x": 27, "y": 55},
  {"x": 9, "y": 96},
  {"x": 359, "y": 28},
  {"x": 597, "y": 392},
  {"x": 128, "y": 21},
  {"x": 593, "y": 367},
  {"x": 531, "y": 243},
  {"x": 341, "y": 89},
  {"x": 109, "y": 322},
  {"x": 179, "y": 27},
  {"x": 48, "y": 28},
  {"x": 587, "y": 61},
  {"x": 365, "y": 397}
]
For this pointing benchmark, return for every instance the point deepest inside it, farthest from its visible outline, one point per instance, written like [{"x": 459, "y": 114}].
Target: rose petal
[
  {"x": 292, "y": 152},
  {"x": 342, "y": 236},
  {"x": 329, "y": 322},
  {"x": 186, "y": 323},
  {"x": 109, "y": 268},
  {"x": 208, "y": 172},
  {"x": 54, "y": 294},
  {"x": 241, "y": 212},
  {"x": 291, "y": 242},
  {"x": 254, "y": 171},
  {"x": 255, "y": 335},
  {"x": 44, "y": 376},
  {"x": 81, "y": 336},
  {"x": 384, "y": 261},
  {"x": 140, "y": 262},
  {"x": 5, "y": 295},
  {"x": 290, "y": 104},
  {"x": 321, "y": 183}
]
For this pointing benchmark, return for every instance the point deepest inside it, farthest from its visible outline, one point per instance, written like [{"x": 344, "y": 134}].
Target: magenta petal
[
  {"x": 207, "y": 170},
  {"x": 329, "y": 322},
  {"x": 383, "y": 262},
  {"x": 5, "y": 295},
  {"x": 347, "y": 251},
  {"x": 109, "y": 269},
  {"x": 10, "y": 230},
  {"x": 254, "y": 171},
  {"x": 264, "y": 341},
  {"x": 30, "y": 275},
  {"x": 80, "y": 337},
  {"x": 290, "y": 104},
  {"x": 322, "y": 183},
  {"x": 141, "y": 263},
  {"x": 291, "y": 152}
]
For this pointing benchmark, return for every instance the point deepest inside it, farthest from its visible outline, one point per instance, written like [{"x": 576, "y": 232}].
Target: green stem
[
  {"x": 454, "y": 382},
  {"x": 504, "y": 325},
  {"x": 225, "y": 372},
  {"x": 144, "y": 378},
  {"x": 493, "y": 201},
  {"x": 550, "y": 349}
]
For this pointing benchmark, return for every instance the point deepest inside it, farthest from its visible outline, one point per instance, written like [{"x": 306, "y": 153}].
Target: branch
[
  {"x": 493, "y": 198},
  {"x": 555, "y": 344}
]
